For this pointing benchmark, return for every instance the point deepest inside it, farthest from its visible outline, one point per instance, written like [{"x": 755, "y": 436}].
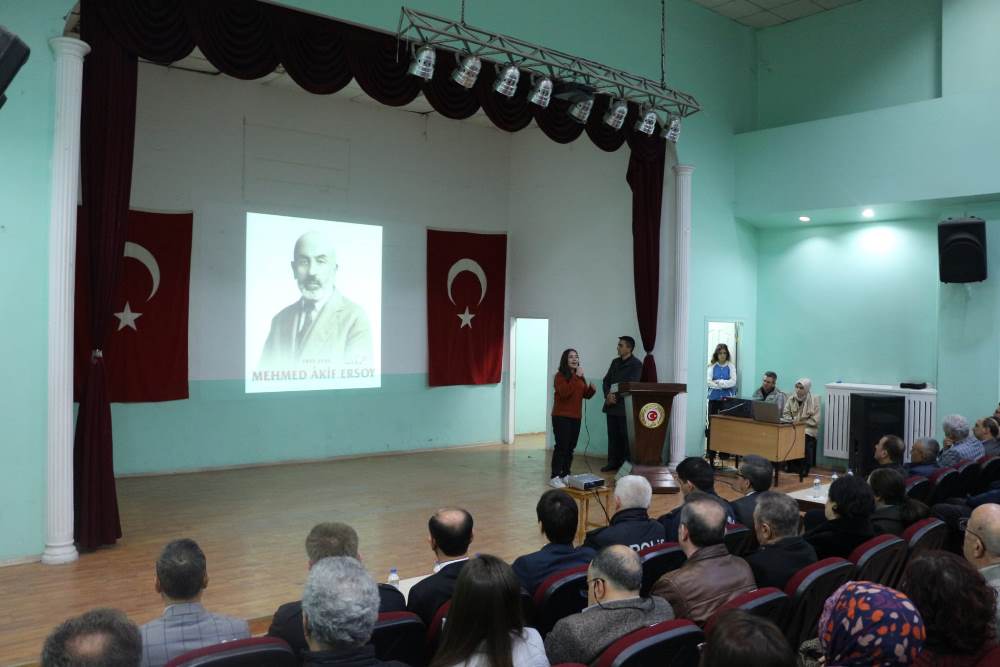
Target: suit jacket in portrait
[
  {"x": 774, "y": 564},
  {"x": 427, "y": 596},
  {"x": 339, "y": 335},
  {"x": 743, "y": 509},
  {"x": 532, "y": 569},
  {"x": 581, "y": 637},
  {"x": 185, "y": 627}
]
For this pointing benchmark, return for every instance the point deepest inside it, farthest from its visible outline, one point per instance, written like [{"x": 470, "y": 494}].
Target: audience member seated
[
  {"x": 894, "y": 511},
  {"x": 957, "y": 607},
  {"x": 755, "y": 476},
  {"x": 889, "y": 453},
  {"x": 959, "y": 444},
  {"x": 923, "y": 457},
  {"x": 982, "y": 548},
  {"x": 326, "y": 540},
  {"x": 485, "y": 624},
  {"x": 339, "y": 610},
  {"x": 450, "y": 536},
  {"x": 615, "y": 609},
  {"x": 630, "y": 524},
  {"x": 181, "y": 576},
  {"x": 740, "y": 638},
  {"x": 849, "y": 506},
  {"x": 557, "y": 515},
  {"x": 693, "y": 474},
  {"x": 711, "y": 576},
  {"x": 865, "y": 624},
  {"x": 102, "y": 637},
  {"x": 782, "y": 552},
  {"x": 986, "y": 431}
]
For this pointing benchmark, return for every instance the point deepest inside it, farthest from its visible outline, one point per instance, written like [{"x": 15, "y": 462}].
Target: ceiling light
[
  {"x": 615, "y": 116},
  {"x": 541, "y": 93},
  {"x": 506, "y": 84},
  {"x": 423, "y": 63},
  {"x": 804, "y": 218},
  {"x": 672, "y": 131},
  {"x": 868, "y": 213},
  {"x": 466, "y": 73},
  {"x": 647, "y": 124},
  {"x": 580, "y": 111}
]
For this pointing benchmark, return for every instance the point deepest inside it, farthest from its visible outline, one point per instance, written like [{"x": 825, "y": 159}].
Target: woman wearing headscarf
[
  {"x": 802, "y": 408},
  {"x": 869, "y": 624}
]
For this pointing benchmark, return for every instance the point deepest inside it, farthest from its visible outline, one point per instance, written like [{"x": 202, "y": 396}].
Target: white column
[
  {"x": 682, "y": 264},
  {"x": 69, "y": 53}
]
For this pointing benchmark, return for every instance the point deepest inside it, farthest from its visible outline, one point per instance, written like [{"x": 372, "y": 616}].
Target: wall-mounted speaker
[
  {"x": 13, "y": 54},
  {"x": 962, "y": 250}
]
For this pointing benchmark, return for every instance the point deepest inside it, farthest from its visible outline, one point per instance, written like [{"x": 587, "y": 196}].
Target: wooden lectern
[{"x": 647, "y": 412}]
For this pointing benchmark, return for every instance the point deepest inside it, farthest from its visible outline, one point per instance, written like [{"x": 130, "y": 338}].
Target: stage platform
[{"x": 252, "y": 524}]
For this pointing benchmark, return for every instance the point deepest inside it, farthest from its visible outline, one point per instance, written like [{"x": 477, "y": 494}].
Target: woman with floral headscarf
[
  {"x": 870, "y": 624},
  {"x": 802, "y": 408}
]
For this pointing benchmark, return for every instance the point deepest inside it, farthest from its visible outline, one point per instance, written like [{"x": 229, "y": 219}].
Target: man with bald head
[
  {"x": 982, "y": 547},
  {"x": 450, "y": 536},
  {"x": 322, "y": 328},
  {"x": 711, "y": 576},
  {"x": 614, "y": 609},
  {"x": 99, "y": 637}
]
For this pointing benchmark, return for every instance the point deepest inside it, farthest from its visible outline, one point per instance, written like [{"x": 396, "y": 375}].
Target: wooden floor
[{"x": 252, "y": 525}]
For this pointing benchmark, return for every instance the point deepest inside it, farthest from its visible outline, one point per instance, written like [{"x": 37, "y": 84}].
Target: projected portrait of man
[{"x": 323, "y": 328}]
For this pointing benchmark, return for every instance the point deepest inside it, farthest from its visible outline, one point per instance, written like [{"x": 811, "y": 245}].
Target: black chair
[
  {"x": 945, "y": 484},
  {"x": 657, "y": 561},
  {"x": 769, "y": 603},
  {"x": 807, "y": 590},
  {"x": 399, "y": 635},
  {"x": 918, "y": 487},
  {"x": 925, "y": 534},
  {"x": 738, "y": 539},
  {"x": 989, "y": 472},
  {"x": 968, "y": 478},
  {"x": 240, "y": 653},
  {"x": 671, "y": 643},
  {"x": 560, "y": 595},
  {"x": 880, "y": 559}
]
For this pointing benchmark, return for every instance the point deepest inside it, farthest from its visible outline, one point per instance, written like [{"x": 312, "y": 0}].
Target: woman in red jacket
[{"x": 571, "y": 388}]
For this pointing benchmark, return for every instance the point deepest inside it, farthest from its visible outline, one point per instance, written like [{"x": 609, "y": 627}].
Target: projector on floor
[{"x": 586, "y": 481}]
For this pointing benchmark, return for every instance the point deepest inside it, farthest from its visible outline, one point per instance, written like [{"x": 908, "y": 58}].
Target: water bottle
[
  {"x": 850, "y": 473},
  {"x": 834, "y": 478},
  {"x": 394, "y": 578},
  {"x": 817, "y": 488}
]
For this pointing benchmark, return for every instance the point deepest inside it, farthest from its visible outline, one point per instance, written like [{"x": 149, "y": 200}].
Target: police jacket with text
[{"x": 631, "y": 527}]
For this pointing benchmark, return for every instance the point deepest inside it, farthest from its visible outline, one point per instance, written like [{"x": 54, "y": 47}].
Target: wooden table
[
  {"x": 775, "y": 442},
  {"x": 583, "y": 499},
  {"x": 808, "y": 499}
]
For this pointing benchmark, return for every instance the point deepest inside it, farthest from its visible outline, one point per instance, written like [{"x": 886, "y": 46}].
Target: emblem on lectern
[{"x": 651, "y": 415}]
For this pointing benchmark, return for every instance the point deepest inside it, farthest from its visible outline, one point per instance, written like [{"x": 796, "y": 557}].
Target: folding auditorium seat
[
  {"x": 434, "y": 630},
  {"x": 925, "y": 534},
  {"x": 399, "y": 635},
  {"x": 657, "y": 561},
  {"x": 968, "y": 478},
  {"x": 880, "y": 559},
  {"x": 738, "y": 539},
  {"x": 944, "y": 484},
  {"x": 807, "y": 590},
  {"x": 240, "y": 653},
  {"x": 918, "y": 487},
  {"x": 560, "y": 595},
  {"x": 668, "y": 644},
  {"x": 769, "y": 603},
  {"x": 989, "y": 472}
]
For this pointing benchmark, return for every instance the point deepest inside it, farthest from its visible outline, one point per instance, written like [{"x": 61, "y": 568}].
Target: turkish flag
[
  {"x": 146, "y": 355},
  {"x": 466, "y": 275}
]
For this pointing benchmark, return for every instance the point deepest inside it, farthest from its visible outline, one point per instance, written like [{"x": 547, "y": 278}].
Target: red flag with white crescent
[
  {"x": 146, "y": 353},
  {"x": 466, "y": 277}
]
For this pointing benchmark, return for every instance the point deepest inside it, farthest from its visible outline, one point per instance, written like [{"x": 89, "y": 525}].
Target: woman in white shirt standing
[
  {"x": 485, "y": 624},
  {"x": 721, "y": 380}
]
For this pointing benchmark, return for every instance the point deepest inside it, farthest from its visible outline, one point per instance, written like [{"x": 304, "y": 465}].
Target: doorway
[
  {"x": 726, "y": 332},
  {"x": 530, "y": 376}
]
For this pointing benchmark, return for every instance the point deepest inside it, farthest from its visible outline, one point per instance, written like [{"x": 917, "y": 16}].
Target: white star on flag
[
  {"x": 466, "y": 318},
  {"x": 127, "y": 318}
]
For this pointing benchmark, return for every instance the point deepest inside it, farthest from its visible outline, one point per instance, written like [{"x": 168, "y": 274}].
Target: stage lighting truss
[{"x": 582, "y": 75}]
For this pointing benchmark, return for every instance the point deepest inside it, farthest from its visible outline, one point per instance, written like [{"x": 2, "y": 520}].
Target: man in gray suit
[
  {"x": 615, "y": 610},
  {"x": 323, "y": 328},
  {"x": 181, "y": 576}
]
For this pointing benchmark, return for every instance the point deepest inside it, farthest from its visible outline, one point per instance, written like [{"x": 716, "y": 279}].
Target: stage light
[
  {"x": 541, "y": 93},
  {"x": 467, "y": 72},
  {"x": 672, "y": 130},
  {"x": 506, "y": 84},
  {"x": 616, "y": 113},
  {"x": 580, "y": 111},
  {"x": 647, "y": 123},
  {"x": 423, "y": 63},
  {"x": 804, "y": 218},
  {"x": 868, "y": 213}
]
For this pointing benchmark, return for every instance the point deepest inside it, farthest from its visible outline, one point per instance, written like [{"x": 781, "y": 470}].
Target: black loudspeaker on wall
[
  {"x": 13, "y": 54},
  {"x": 872, "y": 416},
  {"x": 962, "y": 250}
]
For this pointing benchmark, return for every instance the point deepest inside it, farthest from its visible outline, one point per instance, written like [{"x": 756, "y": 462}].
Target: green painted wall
[
  {"x": 533, "y": 375},
  {"x": 25, "y": 172},
  {"x": 867, "y": 55},
  {"x": 970, "y": 48}
]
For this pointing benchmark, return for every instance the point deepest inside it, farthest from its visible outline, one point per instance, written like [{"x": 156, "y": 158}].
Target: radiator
[{"x": 920, "y": 420}]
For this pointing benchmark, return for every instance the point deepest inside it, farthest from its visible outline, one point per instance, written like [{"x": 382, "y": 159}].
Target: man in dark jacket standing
[
  {"x": 631, "y": 524},
  {"x": 782, "y": 551},
  {"x": 624, "y": 368}
]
